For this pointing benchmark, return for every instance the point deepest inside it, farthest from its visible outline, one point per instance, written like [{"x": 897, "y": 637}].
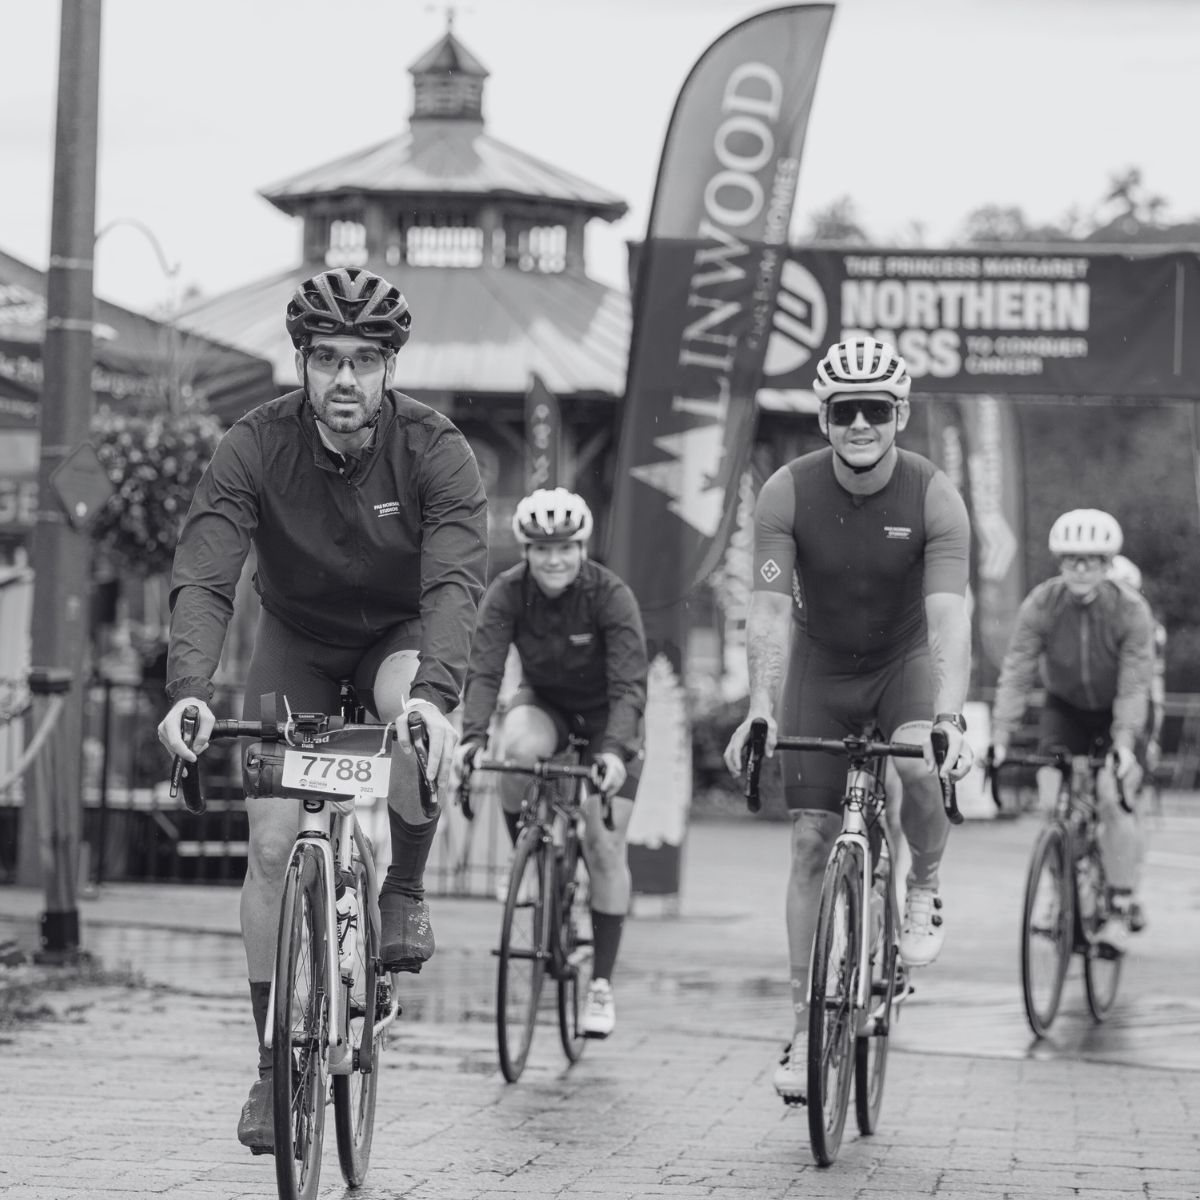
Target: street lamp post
[
  {"x": 171, "y": 271},
  {"x": 60, "y": 549}
]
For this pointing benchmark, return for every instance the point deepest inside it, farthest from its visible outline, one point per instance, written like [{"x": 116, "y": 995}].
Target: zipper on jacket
[{"x": 1085, "y": 661}]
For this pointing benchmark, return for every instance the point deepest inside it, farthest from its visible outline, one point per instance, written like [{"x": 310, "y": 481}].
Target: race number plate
[{"x": 364, "y": 776}]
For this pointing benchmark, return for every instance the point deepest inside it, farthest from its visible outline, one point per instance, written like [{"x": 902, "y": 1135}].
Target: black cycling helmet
[{"x": 348, "y": 302}]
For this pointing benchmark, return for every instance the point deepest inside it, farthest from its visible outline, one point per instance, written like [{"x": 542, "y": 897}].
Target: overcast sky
[{"x": 925, "y": 109}]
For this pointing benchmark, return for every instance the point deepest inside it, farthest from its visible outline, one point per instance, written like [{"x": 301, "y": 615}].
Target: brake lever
[
  {"x": 418, "y": 734},
  {"x": 185, "y": 774},
  {"x": 752, "y": 759},
  {"x": 464, "y": 787},
  {"x": 941, "y": 743}
]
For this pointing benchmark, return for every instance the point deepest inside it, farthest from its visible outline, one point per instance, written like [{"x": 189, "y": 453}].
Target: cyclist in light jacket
[{"x": 1091, "y": 642}]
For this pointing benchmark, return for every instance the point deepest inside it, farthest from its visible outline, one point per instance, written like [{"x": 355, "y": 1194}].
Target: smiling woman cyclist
[{"x": 578, "y": 631}]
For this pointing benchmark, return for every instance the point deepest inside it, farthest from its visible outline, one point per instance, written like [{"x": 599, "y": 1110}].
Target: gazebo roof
[
  {"x": 478, "y": 331},
  {"x": 447, "y": 158},
  {"x": 445, "y": 152}
]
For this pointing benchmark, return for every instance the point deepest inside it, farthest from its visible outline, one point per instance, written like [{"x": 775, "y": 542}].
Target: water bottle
[{"x": 347, "y": 928}]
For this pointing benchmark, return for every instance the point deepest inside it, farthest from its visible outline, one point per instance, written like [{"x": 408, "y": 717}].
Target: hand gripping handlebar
[
  {"x": 187, "y": 775},
  {"x": 855, "y": 747}
]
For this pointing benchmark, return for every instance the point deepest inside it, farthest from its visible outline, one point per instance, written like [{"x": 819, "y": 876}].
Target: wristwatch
[{"x": 955, "y": 719}]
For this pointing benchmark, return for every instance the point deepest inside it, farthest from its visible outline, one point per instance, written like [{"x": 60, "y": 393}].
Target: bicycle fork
[{"x": 313, "y": 832}]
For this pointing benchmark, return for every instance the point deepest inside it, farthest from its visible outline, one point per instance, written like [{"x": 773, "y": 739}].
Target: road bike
[
  {"x": 856, "y": 977},
  {"x": 1067, "y": 897},
  {"x": 546, "y": 903},
  {"x": 332, "y": 1000}
]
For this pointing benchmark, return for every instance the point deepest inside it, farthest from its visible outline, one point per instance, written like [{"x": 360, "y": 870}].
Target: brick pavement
[{"x": 135, "y": 1092}]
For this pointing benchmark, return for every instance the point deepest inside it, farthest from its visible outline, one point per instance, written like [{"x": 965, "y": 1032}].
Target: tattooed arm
[
  {"x": 769, "y": 621},
  {"x": 768, "y": 642}
]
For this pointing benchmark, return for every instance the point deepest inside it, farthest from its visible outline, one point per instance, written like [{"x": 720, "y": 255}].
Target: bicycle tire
[
  {"x": 300, "y": 1027},
  {"x": 831, "y": 1004},
  {"x": 354, "y": 1094},
  {"x": 1047, "y": 927},
  {"x": 524, "y": 947},
  {"x": 1101, "y": 974},
  {"x": 871, "y": 1046},
  {"x": 574, "y": 954}
]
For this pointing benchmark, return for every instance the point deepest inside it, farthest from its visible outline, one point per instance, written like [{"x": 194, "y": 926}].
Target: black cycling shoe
[
  {"x": 407, "y": 935},
  {"x": 256, "y": 1129}
]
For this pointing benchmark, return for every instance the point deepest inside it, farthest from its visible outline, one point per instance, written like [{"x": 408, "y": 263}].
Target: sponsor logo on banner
[
  {"x": 705, "y": 307},
  {"x": 1042, "y": 322}
]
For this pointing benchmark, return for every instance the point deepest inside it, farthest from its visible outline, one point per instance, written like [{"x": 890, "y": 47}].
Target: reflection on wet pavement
[{"x": 947, "y": 1016}]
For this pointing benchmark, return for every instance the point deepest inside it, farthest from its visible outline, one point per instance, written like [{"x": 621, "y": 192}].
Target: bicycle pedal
[{"x": 794, "y": 1101}]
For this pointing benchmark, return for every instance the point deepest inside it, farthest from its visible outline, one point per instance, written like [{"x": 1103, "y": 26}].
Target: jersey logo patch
[
  {"x": 898, "y": 531},
  {"x": 770, "y": 570},
  {"x": 580, "y": 639},
  {"x": 389, "y": 508}
]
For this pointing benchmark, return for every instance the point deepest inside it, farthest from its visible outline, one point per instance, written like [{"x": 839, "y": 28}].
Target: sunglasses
[
  {"x": 1082, "y": 562},
  {"x": 875, "y": 412}
]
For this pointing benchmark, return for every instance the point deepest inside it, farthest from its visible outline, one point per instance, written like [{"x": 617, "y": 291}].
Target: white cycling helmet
[
  {"x": 1123, "y": 571},
  {"x": 552, "y": 515},
  {"x": 1085, "y": 531},
  {"x": 862, "y": 365}
]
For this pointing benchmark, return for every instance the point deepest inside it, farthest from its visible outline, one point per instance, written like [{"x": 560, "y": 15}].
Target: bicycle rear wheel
[
  {"x": 354, "y": 1094},
  {"x": 1047, "y": 928},
  {"x": 831, "y": 1006},
  {"x": 575, "y": 965},
  {"x": 524, "y": 947},
  {"x": 871, "y": 1046},
  {"x": 1101, "y": 972},
  {"x": 301, "y": 1027}
]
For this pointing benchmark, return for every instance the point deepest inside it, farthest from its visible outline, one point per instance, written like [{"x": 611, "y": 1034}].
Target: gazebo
[{"x": 487, "y": 243}]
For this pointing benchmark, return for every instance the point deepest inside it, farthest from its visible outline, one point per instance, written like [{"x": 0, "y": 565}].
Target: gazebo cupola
[{"x": 444, "y": 193}]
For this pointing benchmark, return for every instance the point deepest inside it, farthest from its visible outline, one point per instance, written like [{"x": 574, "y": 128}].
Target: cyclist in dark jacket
[
  {"x": 578, "y": 632},
  {"x": 368, "y": 518}
]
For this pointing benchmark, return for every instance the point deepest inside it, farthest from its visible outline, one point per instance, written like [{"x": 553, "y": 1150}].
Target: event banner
[
  {"x": 543, "y": 426},
  {"x": 705, "y": 295},
  {"x": 1029, "y": 323}
]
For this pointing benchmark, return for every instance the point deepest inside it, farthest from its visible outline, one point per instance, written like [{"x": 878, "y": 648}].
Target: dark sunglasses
[{"x": 875, "y": 412}]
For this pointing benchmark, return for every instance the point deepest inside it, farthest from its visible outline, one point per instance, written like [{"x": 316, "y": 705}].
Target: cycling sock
[
  {"x": 512, "y": 822},
  {"x": 410, "y": 853},
  {"x": 606, "y": 940},
  {"x": 260, "y": 1001}
]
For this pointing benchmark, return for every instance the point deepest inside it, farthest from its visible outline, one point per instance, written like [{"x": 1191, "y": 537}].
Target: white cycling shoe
[
  {"x": 921, "y": 933},
  {"x": 600, "y": 1013},
  {"x": 791, "y": 1076}
]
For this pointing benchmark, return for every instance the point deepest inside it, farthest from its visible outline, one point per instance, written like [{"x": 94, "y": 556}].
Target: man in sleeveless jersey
[{"x": 858, "y": 620}]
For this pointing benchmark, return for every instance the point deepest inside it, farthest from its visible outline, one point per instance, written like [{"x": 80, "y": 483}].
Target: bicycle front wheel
[
  {"x": 1101, "y": 970},
  {"x": 524, "y": 948},
  {"x": 871, "y": 1046},
  {"x": 300, "y": 1027},
  {"x": 354, "y": 1094},
  {"x": 574, "y": 950},
  {"x": 1047, "y": 927},
  {"x": 832, "y": 1004}
]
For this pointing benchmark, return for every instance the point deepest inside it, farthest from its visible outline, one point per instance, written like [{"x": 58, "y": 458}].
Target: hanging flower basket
[{"x": 155, "y": 461}]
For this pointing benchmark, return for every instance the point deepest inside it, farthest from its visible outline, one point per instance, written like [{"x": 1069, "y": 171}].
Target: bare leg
[{"x": 813, "y": 835}]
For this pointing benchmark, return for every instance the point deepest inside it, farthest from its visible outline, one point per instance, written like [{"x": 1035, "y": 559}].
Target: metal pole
[{"x": 60, "y": 553}]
